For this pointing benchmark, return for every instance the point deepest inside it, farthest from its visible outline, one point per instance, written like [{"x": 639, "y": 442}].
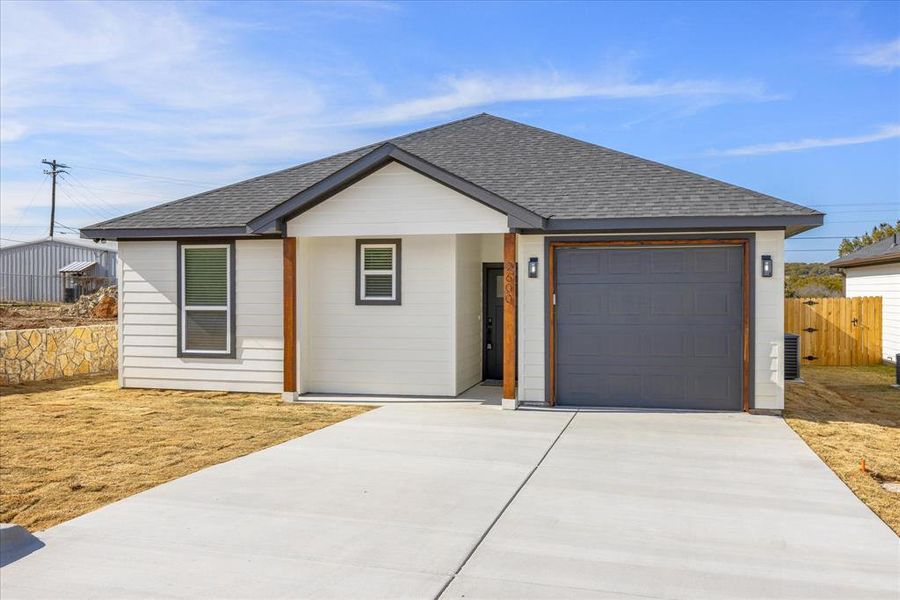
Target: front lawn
[
  {"x": 70, "y": 446},
  {"x": 847, "y": 414}
]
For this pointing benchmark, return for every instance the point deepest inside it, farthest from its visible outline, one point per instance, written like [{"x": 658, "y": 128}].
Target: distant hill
[{"x": 812, "y": 280}]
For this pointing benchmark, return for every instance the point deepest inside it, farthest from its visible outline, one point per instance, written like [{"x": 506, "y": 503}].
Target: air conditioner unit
[{"x": 791, "y": 356}]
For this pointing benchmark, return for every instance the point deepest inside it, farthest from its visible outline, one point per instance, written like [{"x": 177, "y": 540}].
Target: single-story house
[
  {"x": 874, "y": 270},
  {"x": 43, "y": 270},
  {"x": 482, "y": 249}
]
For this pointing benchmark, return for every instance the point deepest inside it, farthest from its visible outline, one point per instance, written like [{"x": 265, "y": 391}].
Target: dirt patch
[
  {"x": 847, "y": 415},
  {"x": 71, "y": 446},
  {"x": 39, "y": 316}
]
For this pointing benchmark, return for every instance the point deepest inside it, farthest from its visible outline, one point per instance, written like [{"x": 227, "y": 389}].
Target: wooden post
[
  {"x": 510, "y": 298},
  {"x": 289, "y": 263}
]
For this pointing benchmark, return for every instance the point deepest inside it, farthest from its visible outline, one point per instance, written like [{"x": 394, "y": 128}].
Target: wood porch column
[
  {"x": 510, "y": 298},
  {"x": 289, "y": 305}
]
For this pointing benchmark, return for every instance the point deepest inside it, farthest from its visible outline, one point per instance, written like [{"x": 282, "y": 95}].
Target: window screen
[
  {"x": 205, "y": 294},
  {"x": 379, "y": 273}
]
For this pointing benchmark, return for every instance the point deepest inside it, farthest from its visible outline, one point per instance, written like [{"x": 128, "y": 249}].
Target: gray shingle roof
[
  {"x": 554, "y": 176},
  {"x": 886, "y": 250}
]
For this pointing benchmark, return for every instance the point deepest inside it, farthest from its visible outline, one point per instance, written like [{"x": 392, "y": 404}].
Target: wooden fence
[{"x": 836, "y": 331}]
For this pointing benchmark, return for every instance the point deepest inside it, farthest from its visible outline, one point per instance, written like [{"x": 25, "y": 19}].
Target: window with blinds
[
  {"x": 206, "y": 293},
  {"x": 378, "y": 269}
]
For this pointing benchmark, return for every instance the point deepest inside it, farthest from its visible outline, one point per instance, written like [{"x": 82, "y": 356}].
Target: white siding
[
  {"x": 395, "y": 201},
  {"x": 469, "y": 299},
  {"x": 884, "y": 281},
  {"x": 769, "y": 334},
  {"x": 406, "y": 349},
  {"x": 148, "y": 321}
]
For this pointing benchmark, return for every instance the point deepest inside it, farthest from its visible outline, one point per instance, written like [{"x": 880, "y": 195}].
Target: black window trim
[
  {"x": 232, "y": 298},
  {"x": 360, "y": 301}
]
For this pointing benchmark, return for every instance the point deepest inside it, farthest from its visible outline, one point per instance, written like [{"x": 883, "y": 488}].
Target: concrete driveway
[{"x": 414, "y": 501}]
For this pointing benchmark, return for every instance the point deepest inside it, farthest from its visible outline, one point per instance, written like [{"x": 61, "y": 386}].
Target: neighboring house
[
  {"x": 480, "y": 249},
  {"x": 40, "y": 270},
  {"x": 874, "y": 270}
]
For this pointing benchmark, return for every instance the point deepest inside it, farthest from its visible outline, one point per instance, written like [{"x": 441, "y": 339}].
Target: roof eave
[
  {"x": 791, "y": 224},
  {"x": 153, "y": 233},
  {"x": 864, "y": 262}
]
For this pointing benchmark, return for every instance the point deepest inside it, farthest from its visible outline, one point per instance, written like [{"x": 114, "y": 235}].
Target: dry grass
[
  {"x": 70, "y": 446},
  {"x": 847, "y": 414}
]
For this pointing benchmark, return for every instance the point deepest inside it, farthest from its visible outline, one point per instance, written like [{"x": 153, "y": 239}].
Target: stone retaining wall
[{"x": 35, "y": 354}]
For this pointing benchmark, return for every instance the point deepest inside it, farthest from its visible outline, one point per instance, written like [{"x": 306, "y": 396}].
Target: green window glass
[{"x": 205, "y": 288}]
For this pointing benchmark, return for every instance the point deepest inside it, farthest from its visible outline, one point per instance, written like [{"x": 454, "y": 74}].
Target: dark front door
[
  {"x": 650, "y": 327},
  {"x": 493, "y": 321}
]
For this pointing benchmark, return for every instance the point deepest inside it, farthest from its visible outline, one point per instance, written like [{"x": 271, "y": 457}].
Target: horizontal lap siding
[
  {"x": 469, "y": 309},
  {"x": 405, "y": 349},
  {"x": 149, "y": 321},
  {"x": 884, "y": 281}
]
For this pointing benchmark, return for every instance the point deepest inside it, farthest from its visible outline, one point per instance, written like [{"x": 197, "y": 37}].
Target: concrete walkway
[{"x": 414, "y": 501}]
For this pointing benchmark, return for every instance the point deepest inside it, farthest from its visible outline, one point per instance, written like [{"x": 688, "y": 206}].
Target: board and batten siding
[
  {"x": 769, "y": 331},
  {"x": 884, "y": 281},
  {"x": 148, "y": 321}
]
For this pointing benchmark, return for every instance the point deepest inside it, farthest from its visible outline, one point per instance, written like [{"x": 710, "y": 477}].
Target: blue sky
[{"x": 149, "y": 102}]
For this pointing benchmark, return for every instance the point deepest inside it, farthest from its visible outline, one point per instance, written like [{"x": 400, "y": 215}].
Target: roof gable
[
  {"x": 393, "y": 201},
  {"x": 368, "y": 164}
]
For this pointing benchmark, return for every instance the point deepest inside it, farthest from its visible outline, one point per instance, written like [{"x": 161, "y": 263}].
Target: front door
[{"x": 493, "y": 321}]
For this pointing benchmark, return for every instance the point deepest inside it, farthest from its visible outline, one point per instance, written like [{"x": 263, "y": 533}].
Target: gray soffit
[
  {"x": 883, "y": 251},
  {"x": 146, "y": 233},
  {"x": 791, "y": 224},
  {"x": 534, "y": 176}
]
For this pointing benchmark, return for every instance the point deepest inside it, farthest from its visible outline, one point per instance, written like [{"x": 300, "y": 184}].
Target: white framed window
[
  {"x": 378, "y": 271},
  {"x": 206, "y": 300}
]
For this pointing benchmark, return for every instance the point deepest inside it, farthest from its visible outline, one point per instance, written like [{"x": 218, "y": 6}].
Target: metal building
[{"x": 30, "y": 271}]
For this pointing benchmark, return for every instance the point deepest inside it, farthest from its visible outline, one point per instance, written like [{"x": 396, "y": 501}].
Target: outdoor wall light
[
  {"x": 766, "y": 265},
  {"x": 532, "y": 267}
]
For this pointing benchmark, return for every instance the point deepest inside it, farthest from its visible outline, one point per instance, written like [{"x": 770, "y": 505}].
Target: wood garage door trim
[{"x": 745, "y": 294}]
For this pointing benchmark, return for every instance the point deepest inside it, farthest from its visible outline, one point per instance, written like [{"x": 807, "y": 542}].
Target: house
[
  {"x": 42, "y": 270},
  {"x": 874, "y": 270},
  {"x": 482, "y": 249}
]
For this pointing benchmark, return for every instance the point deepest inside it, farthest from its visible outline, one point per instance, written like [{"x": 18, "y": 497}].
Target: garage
[{"x": 649, "y": 325}]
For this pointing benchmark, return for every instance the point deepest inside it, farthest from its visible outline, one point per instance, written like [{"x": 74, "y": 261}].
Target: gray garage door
[{"x": 647, "y": 327}]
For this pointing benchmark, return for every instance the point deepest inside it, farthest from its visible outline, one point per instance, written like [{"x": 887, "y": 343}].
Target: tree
[{"x": 879, "y": 232}]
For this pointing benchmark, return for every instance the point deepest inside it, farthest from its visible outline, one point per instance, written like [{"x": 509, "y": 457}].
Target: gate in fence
[{"x": 836, "y": 331}]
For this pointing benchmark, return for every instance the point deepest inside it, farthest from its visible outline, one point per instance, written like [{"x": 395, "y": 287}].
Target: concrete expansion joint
[{"x": 509, "y": 502}]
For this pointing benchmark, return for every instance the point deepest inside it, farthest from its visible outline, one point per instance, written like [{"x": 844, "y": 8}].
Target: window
[
  {"x": 206, "y": 300},
  {"x": 378, "y": 271}
]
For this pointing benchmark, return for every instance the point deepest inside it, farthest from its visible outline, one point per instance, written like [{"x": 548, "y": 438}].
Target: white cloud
[
  {"x": 472, "y": 91},
  {"x": 173, "y": 89},
  {"x": 885, "y": 133},
  {"x": 882, "y": 56}
]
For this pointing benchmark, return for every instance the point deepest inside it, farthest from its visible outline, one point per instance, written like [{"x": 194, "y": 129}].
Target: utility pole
[{"x": 55, "y": 169}]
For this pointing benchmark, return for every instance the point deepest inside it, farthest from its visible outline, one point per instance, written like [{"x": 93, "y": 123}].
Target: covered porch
[{"x": 433, "y": 338}]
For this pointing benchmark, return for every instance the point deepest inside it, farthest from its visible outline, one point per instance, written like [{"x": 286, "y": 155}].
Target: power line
[
  {"x": 144, "y": 175},
  {"x": 30, "y": 202},
  {"x": 879, "y": 203},
  {"x": 78, "y": 182},
  {"x": 95, "y": 211},
  {"x": 126, "y": 192}
]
